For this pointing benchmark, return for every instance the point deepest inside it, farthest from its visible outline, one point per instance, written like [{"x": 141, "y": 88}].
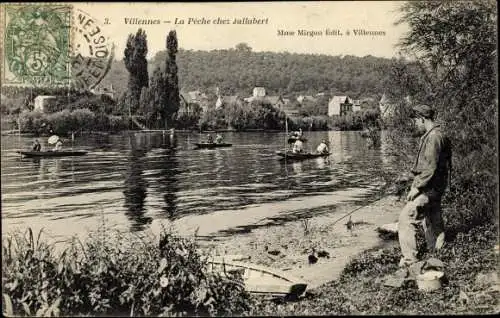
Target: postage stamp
[
  {"x": 36, "y": 45},
  {"x": 51, "y": 45}
]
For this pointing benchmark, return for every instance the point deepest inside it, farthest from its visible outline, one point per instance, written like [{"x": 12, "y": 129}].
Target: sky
[{"x": 287, "y": 16}]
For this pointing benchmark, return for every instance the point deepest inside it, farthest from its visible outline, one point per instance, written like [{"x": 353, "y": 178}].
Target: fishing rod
[{"x": 360, "y": 207}]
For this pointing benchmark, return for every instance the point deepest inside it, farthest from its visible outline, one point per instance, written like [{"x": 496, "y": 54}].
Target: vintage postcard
[{"x": 255, "y": 158}]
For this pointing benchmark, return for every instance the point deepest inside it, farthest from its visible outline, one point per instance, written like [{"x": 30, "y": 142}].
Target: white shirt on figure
[{"x": 322, "y": 148}]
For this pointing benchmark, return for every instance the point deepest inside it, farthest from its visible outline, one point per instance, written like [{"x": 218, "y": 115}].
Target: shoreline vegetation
[
  {"x": 109, "y": 272},
  {"x": 85, "y": 120}
]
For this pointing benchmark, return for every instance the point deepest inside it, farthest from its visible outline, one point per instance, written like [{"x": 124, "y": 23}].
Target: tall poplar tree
[
  {"x": 172, "y": 102},
  {"x": 137, "y": 66}
]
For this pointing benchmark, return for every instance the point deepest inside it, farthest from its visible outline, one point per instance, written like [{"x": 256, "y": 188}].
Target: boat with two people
[
  {"x": 207, "y": 145},
  {"x": 57, "y": 151},
  {"x": 298, "y": 153},
  {"x": 290, "y": 155},
  {"x": 210, "y": 144},
  {"x": 51, "y": 153}
]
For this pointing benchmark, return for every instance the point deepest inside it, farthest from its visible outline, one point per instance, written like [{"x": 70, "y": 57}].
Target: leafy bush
[
  {"x": 373, "y": 262},
  {"x": 66, "y": 121},
  {"x": 356, "y": 120},
  {"x": 62, "y": 122},
  {"x": 11, "y": 106},
  {"x": 308, "y": 123},
  {"x": 460, "y": 81},
  {"x": 236, "y": 115},
  {"x": 117, "y": 123},
  {"x": 110, "y": 274},
  {"x": 84, "y": 119}
]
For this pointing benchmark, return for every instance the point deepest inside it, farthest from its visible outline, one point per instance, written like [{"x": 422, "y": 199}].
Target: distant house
[
  {"x": 368, "y": 103},
  {"x": 109, "y": 91},
  {"x": 196, "y": 97},
  {"x": 276, "y": 101},
  {"x": 42, "y": 101},
  {"x": 340, "y": 106},
  {"x": 308, "y": 98},
  {"x": 356, "y": 105},
  {"x": 226, "y": 100},
  {"x": 258, "y": 93}
]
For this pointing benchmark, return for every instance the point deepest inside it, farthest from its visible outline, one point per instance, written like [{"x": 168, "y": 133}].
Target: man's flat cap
[{"x": 425, "y": 111}]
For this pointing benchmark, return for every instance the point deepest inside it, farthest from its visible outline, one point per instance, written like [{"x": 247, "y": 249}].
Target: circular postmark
[
  {"x": 53, "y": 46},
  {"x": 92, "y": 50}
]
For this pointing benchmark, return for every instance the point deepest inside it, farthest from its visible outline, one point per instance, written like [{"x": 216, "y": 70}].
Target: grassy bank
[
  {"x": 472, "y": 287},
  {"x": 112, "y": 274}
]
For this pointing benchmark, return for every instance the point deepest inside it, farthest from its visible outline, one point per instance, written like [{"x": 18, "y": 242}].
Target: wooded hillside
[{"x": 238, "y": 71}]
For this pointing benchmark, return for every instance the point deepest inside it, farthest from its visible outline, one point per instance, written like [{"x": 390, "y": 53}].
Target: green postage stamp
[{"x": 36, "y": 45}]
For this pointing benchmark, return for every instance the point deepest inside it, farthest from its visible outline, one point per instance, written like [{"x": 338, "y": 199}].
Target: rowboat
[
  {"x": 300, "y": 156},
  {"x": 260, "y": 279},
  {"x": 51, "y": 153},
  {"x": 293, "y": 139},
  {"x": 211, "y": 145}
]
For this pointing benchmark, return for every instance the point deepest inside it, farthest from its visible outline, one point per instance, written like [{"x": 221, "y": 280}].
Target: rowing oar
[{"x": 360, "y": 207}]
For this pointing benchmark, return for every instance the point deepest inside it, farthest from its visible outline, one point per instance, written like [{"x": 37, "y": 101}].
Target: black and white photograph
[{"x": 259, "y": 158}]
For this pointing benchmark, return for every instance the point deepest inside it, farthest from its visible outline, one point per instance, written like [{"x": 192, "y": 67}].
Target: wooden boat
[
  {"x": 292, "y": 139},
  {"x": 300, "y": 156},
  {"x": 259, "y": 279},
  {"x": 51, "y": 153},
  {"x": 207, "y": 145}
]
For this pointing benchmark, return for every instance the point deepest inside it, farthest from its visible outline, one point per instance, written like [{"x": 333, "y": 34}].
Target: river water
[{"x": 134, "y": 179}]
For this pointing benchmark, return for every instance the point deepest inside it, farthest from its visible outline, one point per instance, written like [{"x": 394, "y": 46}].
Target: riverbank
[
  {"x": 472, "y": 287},
  {"x": 351, "y": 264},
  {"x": 317, "y": 231}
]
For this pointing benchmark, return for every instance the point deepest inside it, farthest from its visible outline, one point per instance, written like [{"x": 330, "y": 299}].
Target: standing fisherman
[{"x": 431, "y": 173}]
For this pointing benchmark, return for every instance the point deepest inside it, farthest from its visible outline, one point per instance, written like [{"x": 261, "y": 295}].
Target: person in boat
[
  {"x": 218, "y": 138},
  {"x": 298, "y": 146},
  {"x": 36, "y": 146},
  {"x": 298, "y": 134},
  {"x": 58, "y": 146},
  {"x": 210, "y": 139},
  {"x": 431, "y": 172},
  {"x": 322, "y": 147}
]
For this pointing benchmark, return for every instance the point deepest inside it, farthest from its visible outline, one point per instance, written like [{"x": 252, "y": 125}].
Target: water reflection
[
  {"x": 48, "y": 169},
  {"x": 321, "y": 162},
  {"x": 169, "y": 183},
  {"x": 137, "y": 177},
  {"x": 297, "y": 167},
  {"x": 135, "y": 190}
]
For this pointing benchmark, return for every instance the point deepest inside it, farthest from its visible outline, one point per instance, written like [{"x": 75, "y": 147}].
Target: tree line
[{"x": 151, "y": 89}]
